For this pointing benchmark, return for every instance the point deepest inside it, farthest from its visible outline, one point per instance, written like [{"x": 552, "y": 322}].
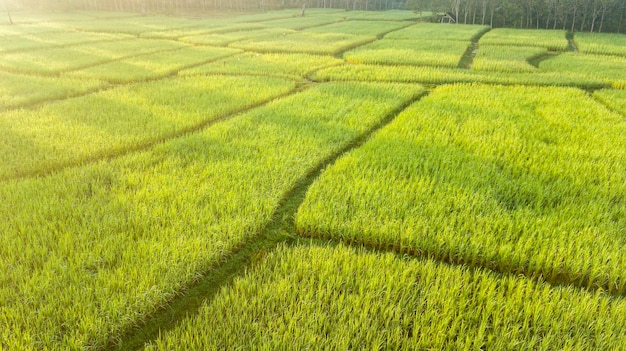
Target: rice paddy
[{"x": 342, "y": 180}]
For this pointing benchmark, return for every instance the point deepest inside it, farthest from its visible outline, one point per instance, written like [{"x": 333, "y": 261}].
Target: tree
[{"x": 6, "y": 5}]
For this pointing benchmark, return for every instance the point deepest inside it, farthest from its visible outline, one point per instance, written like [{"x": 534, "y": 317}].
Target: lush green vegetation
[
  {"x": 601, "y": 44},
  {"x": 146, "y": 161},
  {"x": 337, "y": 298},
  {"x": 522, "y": 180}
]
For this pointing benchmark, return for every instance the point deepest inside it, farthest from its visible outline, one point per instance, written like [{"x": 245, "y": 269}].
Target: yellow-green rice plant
[
  {"x": 389, "y": 15},
  {"x": 601, "y": 43},
  {"x": 519, "y": 179},
  {"x": 553, "y": 40},
  {"x": 17, "y": 90},
  {"x": 133, "y": 25},
  {"x": 213, "y": 27},
  {"x": 417, "y": 52},
  {"x": 376, "y": 28},
  {"x": 53, "y": 39},
  {"x": 607, "y": 68},
  {"x": 439, "y": 75},
  {"x": 90, "y": 251},
  {"x": 56, "y": 60},
  {"x": 304, "y": 42},
  {"x": 294, "y": 66},
  {"x": 614, "y": 99},
  {"x": 340, "y": 298},
  {"x": 116, "y": 120},
  {"x": 500, "y": 58},
  {"x": 297, "y": 23},
  {"x": 439, "y": 31},
  {"x": 151, "y": 66},
  {"x": 227, "y": 38}
]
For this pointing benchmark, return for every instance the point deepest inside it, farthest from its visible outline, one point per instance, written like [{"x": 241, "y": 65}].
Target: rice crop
[
  {"x": 340, "y": 298},
  {"x": 213, "y": 27},
  {"x": 297, "y": 23},
  {"x": 601, "y": 43},
  {"x": 52, "y": 39},
  {"x": 51, "y": 61},
  {"x": 227, "y": 38},
  {"x": 152, "y": 66},
  {"x": 93, "y": 250},
  {"x": 376, "y": 28},
  {"x": 607, "y": 68},
  {"x": 133, "y": 25},
  {"x": 294, "y": 66},
  {"x": 409, "y": 52},
  {"x": 614, "y": 99},
  {"x": 440, "y": 75},
  {"x": 112, "y": 121},
  {"x": 553, "y": 40},
  {"x": 392, "y": 15},
  {"x": 498, "y": 58},
  {"x": 304, "y": 42},
  {"x": 439, "y": 31},
  {"x": 524, "y": 180},
  {"x": 17, "y": 90}
]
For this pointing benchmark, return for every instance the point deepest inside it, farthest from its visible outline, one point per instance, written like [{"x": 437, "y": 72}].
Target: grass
[
  {"x": 420, "y": 52},
  {"x": 498, "y": 58},
  {"x": 304, "y": 42},
  {"x": 439, "y": 31},
  {"x": 553, "y": 40},
  {"x": 102, "y": 246},
  {"x": 335, "y": 298},
  {"x": 294, "y": 66},
  {"x": 152, "y": 66},
  {"x": 517, "y": 179},
  {"x": 112, "y": 121}
]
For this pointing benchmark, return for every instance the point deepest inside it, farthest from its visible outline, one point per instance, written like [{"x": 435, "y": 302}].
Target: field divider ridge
[
  {"x": 280, "y": 229},
  {"x": 468, "y": 56}
]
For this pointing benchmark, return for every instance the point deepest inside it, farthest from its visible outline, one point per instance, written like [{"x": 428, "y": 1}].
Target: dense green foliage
[{"x": 335, "y": 298}]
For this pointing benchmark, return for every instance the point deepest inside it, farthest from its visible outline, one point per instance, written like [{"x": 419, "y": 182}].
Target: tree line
[{"x": 571, "y": 15}]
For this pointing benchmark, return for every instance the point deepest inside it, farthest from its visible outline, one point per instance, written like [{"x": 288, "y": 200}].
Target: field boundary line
[
  {"x": 280, "y": 229},
  {"x": 472, "y": 48}
]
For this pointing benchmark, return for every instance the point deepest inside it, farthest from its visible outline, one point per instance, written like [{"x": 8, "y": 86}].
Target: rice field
[{"x": 344, "y": 180}]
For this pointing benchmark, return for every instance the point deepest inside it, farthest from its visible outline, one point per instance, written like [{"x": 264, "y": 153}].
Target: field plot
[
  {"x": 439, "y": 75},
  {"x": 152, "y": 66},
  {"x": 213, "y": 27},
  {"x": 337, "y": 298},
  {"x": 57, "y": 60},
  {"x": 109, "y": 122},
  {"x": 438, "y": 31},
  {"x": 294, "y": 66},
  {"x": 227, "y": 38},
  {"x": 615, "y": 99},
  {"x": 18, "y": 90},
  {"x": 518, "y": 179},
  {"x": 553, "y": 40},
  {"x": 409, "y": 52},
  {"x": 601, "y": 43},
  {"x": 376, "y": 28},
  {"x": 499, "y": 58},
  {"x": 133, "y": 25},
  {"x": 53, "y": 39},
  {"x": 607, "y": 68},
  {"x": 305, "y": 42},
  {"x": 97, "y": 248},
  {"x": 297, "y": 23}
]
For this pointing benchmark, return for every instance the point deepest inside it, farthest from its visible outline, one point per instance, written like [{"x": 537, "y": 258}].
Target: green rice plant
[
  {"x": 439, "y": 31},
  {"x": 132, "y": 25},
  {"x": 389, "y": 15},
  {"x": 18, "y": 90},
  {"x": 409, "y": 52},
  {"x": 553, "y": 40},
  {"x": 439, "y": 75},
  {"x": 54, "y": 39},
  {"x": 525, "y": 180},
  {"x": 297, "y": 23},
  {"x": 21, "y": 29},
  {"x": 294, "y": 66},
  {"x": 57, "y": 60},
  {"x": 227, "y": 38},
  {"x": 213, "y": 27},
  {"x": 601, "y": 43},
  {"x": 614, "y": 99},
  {"x": 304, "y": 42},
  {"x": 152, "y": 66},
  {"x": 93, "y": 250},
  {"x": 114, "y": 121},
  {"x": 607, "y": 68},
  {"x": 340, "y": 298},
  {"x": 376, "y": 28},
  {"x": 499, "y": 58}
]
